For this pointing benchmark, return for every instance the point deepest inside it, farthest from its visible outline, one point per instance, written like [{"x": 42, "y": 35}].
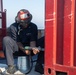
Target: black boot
[
  {"x": 39, "y": 68},
  {"x": 11, "y": 69}
]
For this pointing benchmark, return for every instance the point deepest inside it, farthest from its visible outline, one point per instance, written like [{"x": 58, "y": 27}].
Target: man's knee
[{"x": 6, "y": 39}]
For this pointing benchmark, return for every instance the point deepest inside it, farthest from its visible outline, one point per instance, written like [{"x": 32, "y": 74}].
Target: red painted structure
[
  {"x": 2, "y": 23},
  {"x": 60, "y": 37}
]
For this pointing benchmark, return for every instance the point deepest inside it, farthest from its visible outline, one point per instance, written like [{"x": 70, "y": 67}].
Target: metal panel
[
  {"x": 60, "y": 37},
  {"x": 2, "y": 23}
]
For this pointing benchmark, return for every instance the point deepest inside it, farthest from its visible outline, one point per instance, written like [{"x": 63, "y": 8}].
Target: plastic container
[{"x": 24, "y": 63}]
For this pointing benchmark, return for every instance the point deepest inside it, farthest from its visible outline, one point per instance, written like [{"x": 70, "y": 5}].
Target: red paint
[
  {"x": 60, "y": 36},
  {"x": 3, "y": 23}
]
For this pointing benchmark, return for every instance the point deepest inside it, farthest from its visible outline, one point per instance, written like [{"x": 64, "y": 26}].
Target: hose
[
  {"x": 30, "y": 67},
  {"x": 32, "y": 61}
]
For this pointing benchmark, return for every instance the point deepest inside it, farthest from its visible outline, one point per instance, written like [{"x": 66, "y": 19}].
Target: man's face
[{"x": 23, "y": 24}]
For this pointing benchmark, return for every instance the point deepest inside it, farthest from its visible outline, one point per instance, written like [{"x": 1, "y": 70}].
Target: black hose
[
  {"x": 32, "y": 61},
  {"x": 30, "y": 67}
]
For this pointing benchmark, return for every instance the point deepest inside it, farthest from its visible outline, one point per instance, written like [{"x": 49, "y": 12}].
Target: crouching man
[{"x": 22, "y": 33}]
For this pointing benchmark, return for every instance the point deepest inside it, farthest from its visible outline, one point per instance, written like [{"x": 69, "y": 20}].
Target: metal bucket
[{"x": 24, "y": 63}]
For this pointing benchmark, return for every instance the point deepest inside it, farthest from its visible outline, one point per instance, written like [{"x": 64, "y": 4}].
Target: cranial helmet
[{"x": 23, "y": 16}]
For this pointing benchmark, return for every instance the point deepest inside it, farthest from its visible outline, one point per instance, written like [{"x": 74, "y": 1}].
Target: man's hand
[
  {"x": 33, "y": 45},
  {"x": 35, "y": 50},
  {"x": 27, "y": 52}
]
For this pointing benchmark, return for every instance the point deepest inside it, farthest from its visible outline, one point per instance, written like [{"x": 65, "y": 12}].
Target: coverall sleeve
[{"x": 13, "y": 32}]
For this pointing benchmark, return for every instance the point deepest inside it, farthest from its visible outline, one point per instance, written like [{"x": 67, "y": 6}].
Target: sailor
[{"x": 21, "y": 33}]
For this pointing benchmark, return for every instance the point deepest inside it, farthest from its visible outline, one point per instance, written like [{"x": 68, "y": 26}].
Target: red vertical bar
[
  {"x": 4, "y": 19},
  {"x": 60, "y": 22},
  {"x": 68, "y": 32},
  {"x": 55, "y": 32},
  {"x": 72, "y": 32},
  {"x": 75, "y": 37},
  {"x": 49, "y": 30}
]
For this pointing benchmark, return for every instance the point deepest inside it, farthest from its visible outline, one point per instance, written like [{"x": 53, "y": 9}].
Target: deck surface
[{"x": 32, "y": 72}]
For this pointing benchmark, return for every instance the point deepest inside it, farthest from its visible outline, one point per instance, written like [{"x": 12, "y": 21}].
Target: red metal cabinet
[
  {"x": 2, "y": 23},
  {"x": 3, "y": 27},
  {"x": 60, "y": 37}
]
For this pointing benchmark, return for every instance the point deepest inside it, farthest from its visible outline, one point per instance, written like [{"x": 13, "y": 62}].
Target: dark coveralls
[{"x": 17, "y": 34}]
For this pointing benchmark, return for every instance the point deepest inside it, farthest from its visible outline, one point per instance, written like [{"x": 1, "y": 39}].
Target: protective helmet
[{"x": 23, "y": 16}]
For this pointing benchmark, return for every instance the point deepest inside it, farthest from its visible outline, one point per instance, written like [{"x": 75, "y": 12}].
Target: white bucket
[{"x": 24, "y": 63}]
